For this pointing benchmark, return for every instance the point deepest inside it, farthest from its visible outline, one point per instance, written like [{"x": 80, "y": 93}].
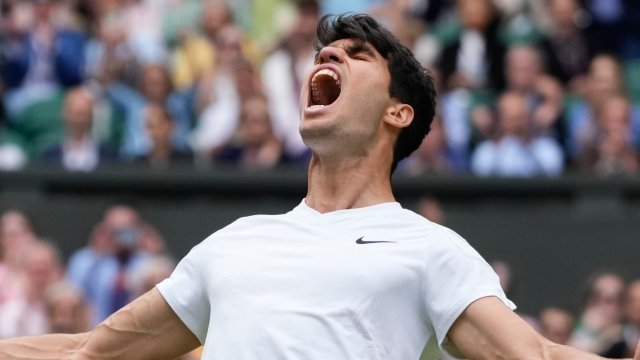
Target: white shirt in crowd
[{"x": 512, "y": 156}]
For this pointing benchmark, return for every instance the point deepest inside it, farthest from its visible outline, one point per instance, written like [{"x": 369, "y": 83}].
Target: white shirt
[
  {"x": 512, "y": 156},
  {"x": 284, "y": 95},
  {"x": 367, "y": 283},
  {"x": 80, "y": 155},
  {"x": 471, "y": 58},
  {"x": 219, "y": 121}
]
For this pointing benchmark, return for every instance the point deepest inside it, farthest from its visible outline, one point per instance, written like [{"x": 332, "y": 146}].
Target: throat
[{"x": 346, "y": 184}]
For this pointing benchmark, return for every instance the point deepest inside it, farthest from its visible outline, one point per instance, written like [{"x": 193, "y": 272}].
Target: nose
[{"x": 330, "y": 54}]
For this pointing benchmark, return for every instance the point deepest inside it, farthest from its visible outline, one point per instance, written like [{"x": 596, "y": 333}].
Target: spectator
[
  {"x": 142, "y": 21},
  {"x": 195, "y": 56},
  {"x": 542, "y": 93},
  {"x": 434, "y": 155},
  {"x": 255, "y": 145},
  {"x": 40, "y": 60},
  {"x": 16, "y": 233},
  {"x": 565, "y": 47},
  {"x": 25, "y": 314},
  {"x": 608, "y": 146},
  {"x": 79, "y": 150},
  {"x": 516, "y": 150},
  {"x": 556, "y": 325},
  {"x": 474, "y": 60},
  {"x": 160, "y": 127},
  {"x": 603, "y": 80},
  {"x": 101, "y": 271},
  {"x": 108, "y": 54},
  {"x": 631, "y": 330},
  {"x": 66, "y": 308},
  {"x": 599, "y": 325},
  {"x": 224, "y": 91},
  {"x": 83, "y": 263},
  {"x": 524, "y": 74},
  {"x": 282, "y": 76},
  {"x": 154, "y": 86},
  {"x": 470, "y": 67}
]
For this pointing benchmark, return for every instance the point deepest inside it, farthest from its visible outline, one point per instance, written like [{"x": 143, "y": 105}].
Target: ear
[{"x": 398, "y": 114}]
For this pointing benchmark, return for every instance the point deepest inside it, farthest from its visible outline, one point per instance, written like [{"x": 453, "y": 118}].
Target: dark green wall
[{"x": 554, "y": 232}]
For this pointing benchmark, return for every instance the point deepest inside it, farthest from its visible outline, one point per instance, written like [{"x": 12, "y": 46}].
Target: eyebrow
[
  {"x": 360, "y": 47},
  {"x": 355, "y": 48}
]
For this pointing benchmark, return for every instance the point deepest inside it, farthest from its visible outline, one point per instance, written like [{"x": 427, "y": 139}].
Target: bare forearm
[
  {"x": 48, "y": 347},
  {"x": 146, "y": 329}
]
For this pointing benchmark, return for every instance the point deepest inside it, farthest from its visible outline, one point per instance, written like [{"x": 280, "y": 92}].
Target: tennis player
[{"x": 348, "y": 273}]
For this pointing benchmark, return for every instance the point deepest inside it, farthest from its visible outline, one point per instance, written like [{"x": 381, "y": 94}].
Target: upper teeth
[
  {"x": 327, "y": 72},
  {"x": 314, "y": 86}
]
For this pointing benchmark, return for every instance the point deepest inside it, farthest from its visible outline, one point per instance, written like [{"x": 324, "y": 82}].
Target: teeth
[
  {"x": 328, "y": 72},
  {"x": 315, "y": 92}
]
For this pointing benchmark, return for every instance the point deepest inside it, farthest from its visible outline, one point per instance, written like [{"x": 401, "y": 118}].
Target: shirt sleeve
[
  {"x": 186, "y": 293},
  {"x": 456, "y": 276}
]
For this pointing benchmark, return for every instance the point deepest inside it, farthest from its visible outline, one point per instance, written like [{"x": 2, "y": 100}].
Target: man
[
  {"x": 79, "y": 150},
  {"x": 348, "y": 274},
  {"x": 40, "y": 59},
  {"x": 160, "y": 126}
]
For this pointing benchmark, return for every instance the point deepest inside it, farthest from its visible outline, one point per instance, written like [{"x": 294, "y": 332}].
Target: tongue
[{"x": 328, "y": 90}]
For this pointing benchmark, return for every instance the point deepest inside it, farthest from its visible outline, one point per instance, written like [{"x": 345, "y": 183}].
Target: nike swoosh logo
[{"x": 360, "y": 241}]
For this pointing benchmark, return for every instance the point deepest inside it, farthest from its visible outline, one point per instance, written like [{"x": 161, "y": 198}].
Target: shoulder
[
  {"x": 261, "y": 220},
  {"x": 414, "y": 223},
  {"x": 253, "y": 224},
  {"x": 435, "y": 238}
]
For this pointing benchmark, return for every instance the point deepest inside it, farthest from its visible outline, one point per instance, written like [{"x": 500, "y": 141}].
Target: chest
[{"x": 311, "y": 267}]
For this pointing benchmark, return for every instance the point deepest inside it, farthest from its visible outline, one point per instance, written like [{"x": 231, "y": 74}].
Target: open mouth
[{"x": 325, "y": 88}]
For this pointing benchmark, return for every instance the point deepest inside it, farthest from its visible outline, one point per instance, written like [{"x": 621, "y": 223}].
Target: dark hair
[{"x": 410, "y": 82}]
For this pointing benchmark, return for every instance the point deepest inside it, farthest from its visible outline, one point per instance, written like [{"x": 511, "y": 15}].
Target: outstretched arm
[
  {"x": 145, "y": 329},
  {"x": 487, "y": 329}
]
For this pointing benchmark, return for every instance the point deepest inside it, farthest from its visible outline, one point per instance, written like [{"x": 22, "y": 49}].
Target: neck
[{"x": 336, "y": 184}]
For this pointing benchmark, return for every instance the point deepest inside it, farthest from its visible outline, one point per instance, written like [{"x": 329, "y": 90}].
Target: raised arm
[
  {"x": 488, "y": 329},
  {"x": 147, "y": 328}
]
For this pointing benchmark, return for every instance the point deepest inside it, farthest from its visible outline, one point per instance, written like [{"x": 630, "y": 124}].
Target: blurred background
[{"x": 132, "y": 129}]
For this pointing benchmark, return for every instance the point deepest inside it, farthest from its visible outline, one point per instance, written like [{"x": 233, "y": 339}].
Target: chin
[{"x": 318, "y": 135}]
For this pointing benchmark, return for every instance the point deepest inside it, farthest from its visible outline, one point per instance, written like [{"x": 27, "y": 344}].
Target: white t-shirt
[{"x": 367, "y": 283}]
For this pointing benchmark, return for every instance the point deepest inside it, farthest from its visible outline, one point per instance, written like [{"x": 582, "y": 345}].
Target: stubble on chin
[
  {"x": 332, "y": 141},
  {"x": 318, "y": 137}
]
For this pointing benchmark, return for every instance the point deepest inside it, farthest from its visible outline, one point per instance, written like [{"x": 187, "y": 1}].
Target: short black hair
[{"x": 410, "y": 82}]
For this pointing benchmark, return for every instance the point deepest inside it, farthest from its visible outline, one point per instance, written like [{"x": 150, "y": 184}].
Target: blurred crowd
[
  {"x": 526, "y": 87},
  {"x": 39, "y": 294}
]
